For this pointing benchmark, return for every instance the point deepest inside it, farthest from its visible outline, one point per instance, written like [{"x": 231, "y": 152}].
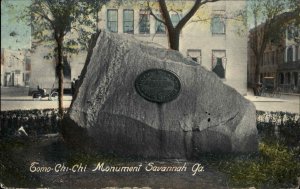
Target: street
[
  {"x": 286, "y": 103},
  {"x": 27, "y": 103}
]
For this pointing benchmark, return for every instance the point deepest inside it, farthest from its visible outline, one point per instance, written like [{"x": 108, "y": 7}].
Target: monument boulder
[{"x": 138, "y": 99}]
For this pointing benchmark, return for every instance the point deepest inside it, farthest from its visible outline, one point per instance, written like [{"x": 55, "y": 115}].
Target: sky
[{"x": 14, "y": 35}]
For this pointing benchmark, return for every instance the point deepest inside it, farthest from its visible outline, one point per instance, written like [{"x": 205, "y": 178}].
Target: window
[
  {"x": 290, "y": 33},
  {"x": 296, "y": 33},
  {"x": 288, "y": 78},
  {"x": 297, "y": 53},
  {"x": 175, "y": 18},
  {"x": 112, "y": 20},
  {"x": 128, "y": 20},
  {"x": 144, "y": 22},
  {"x": 290, "y": 54},
  {"x": 66, "y": 68},
  {"x": 273, "y": 57},
  {"x": 27, "y": 78},
  {"x": 295, "y": 76},
  {"x": 8, "y": 79},
  {"x": 218, "y": 24},
  {"x": 278, "y": 57},
  {"x": 194, "y": 54},
  {"x": 159, "y": 26},
  {"x": 219, "y": 61},
  {"x": 28, "y": 64}
]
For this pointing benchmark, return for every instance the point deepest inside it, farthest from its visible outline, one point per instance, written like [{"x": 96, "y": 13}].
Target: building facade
[
  {"x": 289, "y": 70},
  {"x": 281, "y": 60},
  {"x": 15, "y": 68},
  {"x": 15, "y": 45},
  {"x": 210, "y": 38}
]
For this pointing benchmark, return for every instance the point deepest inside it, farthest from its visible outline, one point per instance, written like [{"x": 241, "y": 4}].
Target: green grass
[{"x": 274, "y": 166}]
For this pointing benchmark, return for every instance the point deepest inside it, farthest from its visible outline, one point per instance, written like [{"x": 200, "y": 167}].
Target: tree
[
  {"x": 174, "y": 31},
  {"x": 269, "y": 18},
  {"x": 296, "y": 22},
  {"x": 52, "y": 23}
]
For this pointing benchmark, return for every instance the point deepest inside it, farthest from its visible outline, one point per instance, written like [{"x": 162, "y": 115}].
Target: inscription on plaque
[{"x": 158, "y": 85}]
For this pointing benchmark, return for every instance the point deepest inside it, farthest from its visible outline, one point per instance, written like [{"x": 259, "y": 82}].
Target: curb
[{"x": 293, "y": 94}]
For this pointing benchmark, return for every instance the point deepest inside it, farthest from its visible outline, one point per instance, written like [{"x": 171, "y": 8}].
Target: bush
[
  {"x": 35, "y": 122},
  {"x": 282, "y": 126},
  {"x": 275, "y": 166}
]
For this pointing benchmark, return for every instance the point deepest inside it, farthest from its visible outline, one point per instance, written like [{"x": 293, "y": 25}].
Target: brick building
[{"x": 281, "y": 60}]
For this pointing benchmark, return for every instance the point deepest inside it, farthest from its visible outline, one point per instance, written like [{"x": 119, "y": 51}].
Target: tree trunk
[
  {"x": 173, "y": 38},
  {"x": 256, "y": 87},
  {"x": 60, "y": 75}
]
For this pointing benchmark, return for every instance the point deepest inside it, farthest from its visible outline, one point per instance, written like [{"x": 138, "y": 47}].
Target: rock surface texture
[{"x": 107, "y": 114}]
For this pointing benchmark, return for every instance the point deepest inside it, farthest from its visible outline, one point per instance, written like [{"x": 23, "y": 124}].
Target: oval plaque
[{"x": 158, "y": 85}]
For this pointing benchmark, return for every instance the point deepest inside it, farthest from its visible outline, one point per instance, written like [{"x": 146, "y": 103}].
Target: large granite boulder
[{"x": 108, "y": 114}]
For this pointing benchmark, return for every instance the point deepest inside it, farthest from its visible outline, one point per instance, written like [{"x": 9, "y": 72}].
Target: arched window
[{"x": 290, "y": 54}]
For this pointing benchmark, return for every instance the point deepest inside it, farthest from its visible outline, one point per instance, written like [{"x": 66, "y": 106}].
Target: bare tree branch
[
  {"x": 193, "y": 10},
  {"x": 152, "y": 14},
  {"x": 165, "y": 14}
]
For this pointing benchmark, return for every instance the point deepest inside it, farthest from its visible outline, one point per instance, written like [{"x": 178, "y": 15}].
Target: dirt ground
[{"x": 52, "y": 153}]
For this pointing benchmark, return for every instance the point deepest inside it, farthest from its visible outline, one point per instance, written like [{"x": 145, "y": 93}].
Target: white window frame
[
  {"x": 195, "y": 53},
  {"x": 144, "y": 12},
  {"x": 221, "y": 16},
  {"x": 129, "y": 10},
  {"x": 109, "y": 21}
]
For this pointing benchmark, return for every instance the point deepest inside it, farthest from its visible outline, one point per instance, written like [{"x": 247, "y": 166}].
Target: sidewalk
[
  {"x": 285, "y": 103},
  {"x": 264, "y": 99},
  {"x": 14, "y": 91},
  {"x": 250, "y": 96},
  {"x": 27, "y": 103}
]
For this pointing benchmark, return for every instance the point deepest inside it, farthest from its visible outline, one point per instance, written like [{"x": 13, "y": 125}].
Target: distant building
[
  {"x": 15, "y": 45},
  {"x": 15, "y": 68},
  {"x": 289, "y": 70},
  {"x": 281, "y": 60}
]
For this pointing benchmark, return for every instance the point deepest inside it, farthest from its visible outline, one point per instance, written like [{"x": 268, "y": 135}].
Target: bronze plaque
[{"x": 158, "y": 85}]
